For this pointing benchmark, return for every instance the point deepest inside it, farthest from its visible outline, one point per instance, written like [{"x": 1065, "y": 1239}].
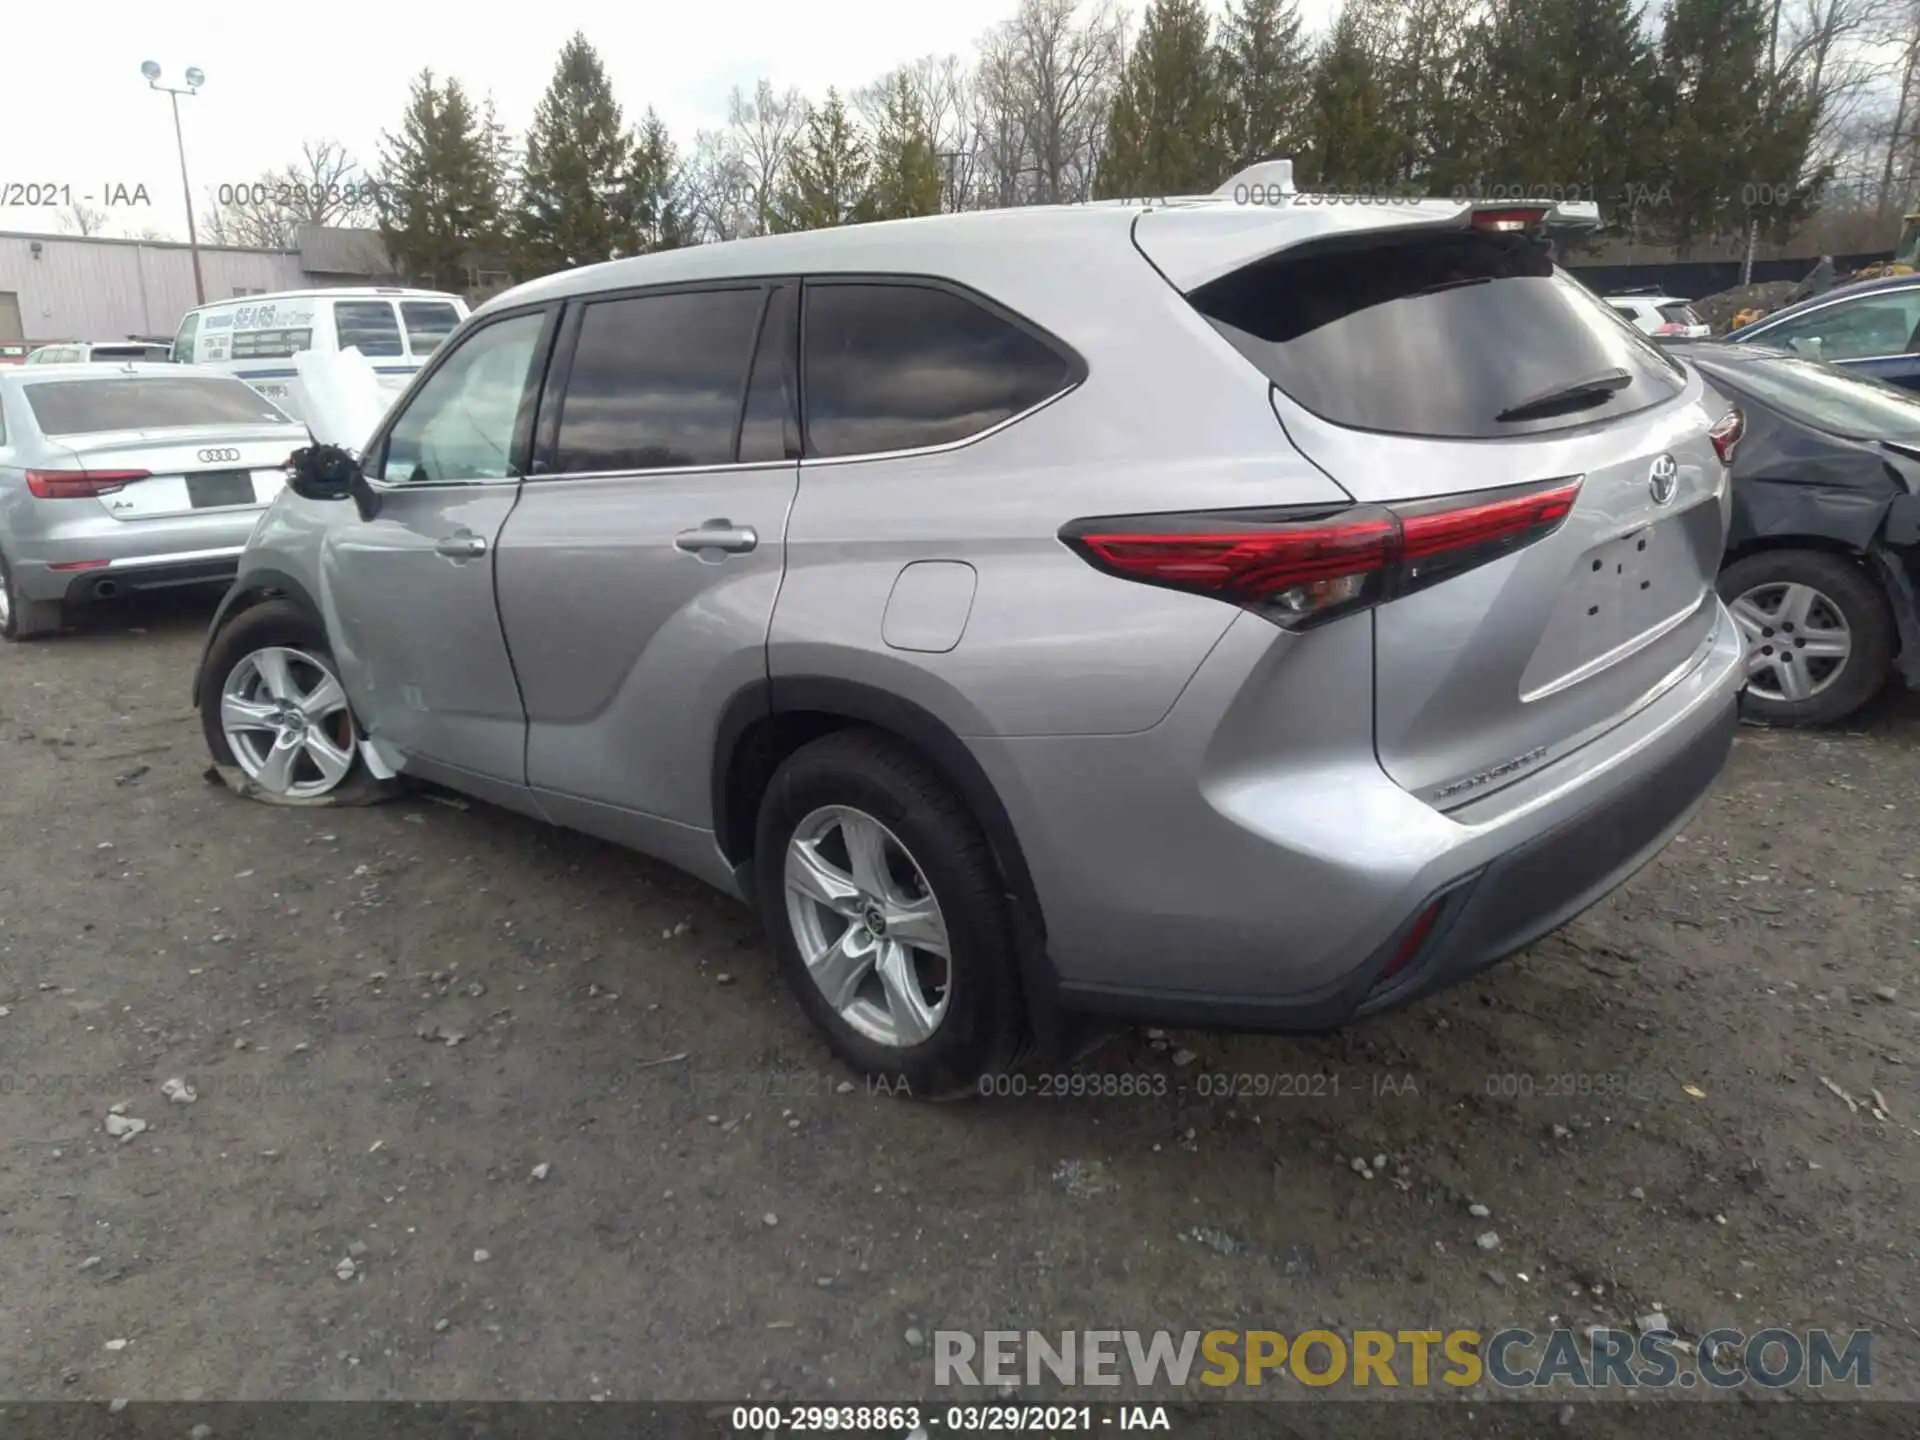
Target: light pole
[{"x": 195, "y": 78}]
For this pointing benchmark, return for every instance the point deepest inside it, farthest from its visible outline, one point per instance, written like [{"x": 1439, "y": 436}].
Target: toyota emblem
[
  {"x": 215, "y": 457},
  {"x": 1663, "y": 480}
]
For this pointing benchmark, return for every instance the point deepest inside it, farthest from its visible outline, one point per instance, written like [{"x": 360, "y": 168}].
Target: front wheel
[
  {"x": 275, "y": 715},
  {"x": 882, "y": 898},
  {"x": 21, "y": 618},
  {"x": 1818, "y": 635}
]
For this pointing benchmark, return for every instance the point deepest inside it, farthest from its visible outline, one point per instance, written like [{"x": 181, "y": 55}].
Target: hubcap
[
  {"x": 868, "y": 926},
  {"x": 286, "y": 720},
  {"x": 1797, "y": 640}
]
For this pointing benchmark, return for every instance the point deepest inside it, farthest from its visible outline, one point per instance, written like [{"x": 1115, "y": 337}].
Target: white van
[{"x": 256, "y": 336}]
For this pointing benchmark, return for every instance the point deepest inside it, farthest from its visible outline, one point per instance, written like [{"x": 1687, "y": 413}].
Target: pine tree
[
  {"x": 1355, "y": 146},
  {"x": 1266, "y": 82},
  {"x": 1733, "y": 138},
  {"x": 1164, "y": 132},
  {"x": 826, "y": 181},
  {"x": 576, "y": 204},
  {"x": 906, "y": 178},
  {"x": 1564, "y": 93},
  {"x": 439, "y": 191},
  {"x": 654, "y": 186}
]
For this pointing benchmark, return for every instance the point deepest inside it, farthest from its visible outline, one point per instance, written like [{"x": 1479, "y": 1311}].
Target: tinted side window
[
  {"x": 767, "y": 430},
  {"x": 899, "y": 367},
  {"x": 368, "y": 325},
  {"x": 657, "y": 382}
]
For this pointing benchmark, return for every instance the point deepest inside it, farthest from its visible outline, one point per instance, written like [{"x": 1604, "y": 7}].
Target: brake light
[
  {"x": 1300, "y": 570},
  {"x": 1509, "y": 219},
  {"x": 1726, "y": 433},
  {"x": 80, "y": 484}
]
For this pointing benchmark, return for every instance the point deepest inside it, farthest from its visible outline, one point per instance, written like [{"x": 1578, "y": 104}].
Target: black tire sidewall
[
  {"x": 979, "y": 1033},
  {"x": 1869, "y": 620}
]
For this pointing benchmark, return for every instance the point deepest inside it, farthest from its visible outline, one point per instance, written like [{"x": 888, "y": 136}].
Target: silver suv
[{"x": 1213, "y": 613}]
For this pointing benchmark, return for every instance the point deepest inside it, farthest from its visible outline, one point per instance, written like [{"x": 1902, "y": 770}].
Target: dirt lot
[{"x": 1640, "y": 1101}]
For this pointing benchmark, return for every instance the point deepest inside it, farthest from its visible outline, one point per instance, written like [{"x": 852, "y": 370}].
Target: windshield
[
  {"x": 1826, "y": 397},
  {"x": 146, "y": 402}
]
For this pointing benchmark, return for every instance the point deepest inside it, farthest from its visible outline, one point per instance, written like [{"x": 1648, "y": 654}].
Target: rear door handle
[
  {"x": 722, "y": 535},
  {"x": 464, "y": 545}
]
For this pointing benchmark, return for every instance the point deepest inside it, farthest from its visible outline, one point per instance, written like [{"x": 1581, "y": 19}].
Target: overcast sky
[{"x": 79, "y": 114}]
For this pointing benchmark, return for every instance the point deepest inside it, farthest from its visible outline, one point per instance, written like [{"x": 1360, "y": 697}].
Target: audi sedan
[{"x": 139, "y": 477}]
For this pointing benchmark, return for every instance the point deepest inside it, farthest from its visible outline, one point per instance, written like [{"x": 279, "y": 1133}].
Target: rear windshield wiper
[{"x": 1576, "y": 396}]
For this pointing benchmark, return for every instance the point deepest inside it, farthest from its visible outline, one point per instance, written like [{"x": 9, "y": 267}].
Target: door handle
[
  {"x": 462, "y": 546},
  {"x": 722, "y": 535}
]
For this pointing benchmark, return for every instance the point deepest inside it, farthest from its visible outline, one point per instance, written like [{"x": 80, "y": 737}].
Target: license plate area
[
  {"x": 212, "y": 489},
  {"x": 1618, "y": 592}
]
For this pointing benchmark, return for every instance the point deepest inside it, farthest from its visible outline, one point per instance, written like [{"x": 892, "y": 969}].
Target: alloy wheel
[
  {"x": 1797, "y": 640},
  {"x": 868, "y": 926},
  {"x": 286, "y": 720}
]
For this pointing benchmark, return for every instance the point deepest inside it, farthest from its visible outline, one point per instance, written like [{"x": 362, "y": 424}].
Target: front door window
[{"x": 461, "y": 425}]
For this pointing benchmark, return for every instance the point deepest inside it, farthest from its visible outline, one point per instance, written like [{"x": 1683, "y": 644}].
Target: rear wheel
[
  {"x": 21, "y": 618},
  {"x": 1818, "y": 635},
  {"x": 275, "y": 715},
  {"x": 883, "y": 901}
]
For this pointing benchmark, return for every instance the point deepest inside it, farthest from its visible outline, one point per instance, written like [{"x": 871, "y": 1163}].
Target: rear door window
[
  {"x": 428, "y": 323},
  {"x": 891, "y": 367},
  {"x": 1860, "y": 329},
  {"x": 146, "y": 402},
  {"x": 657, "y": 382},
  {"x": 368, "y": 326},
  {"x": 1469, "y": 335}
]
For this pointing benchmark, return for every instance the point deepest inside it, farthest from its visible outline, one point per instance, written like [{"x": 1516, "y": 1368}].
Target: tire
[
  {"x": 940, "y": 880},
  {"x": 1848, "y": 608},
  {"x": 20, "y": 618},
  {"x": 234, "y": 661}
]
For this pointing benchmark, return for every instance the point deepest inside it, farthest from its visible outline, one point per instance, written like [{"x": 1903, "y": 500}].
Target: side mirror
[
  {"x": 322, "y": 472},
  {"x": 328, "y": 472}
]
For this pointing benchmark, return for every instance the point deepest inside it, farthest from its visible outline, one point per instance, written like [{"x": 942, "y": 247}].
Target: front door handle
[
  {"x": 721, "y": 535},
  {"x": 462, "y": 546}
]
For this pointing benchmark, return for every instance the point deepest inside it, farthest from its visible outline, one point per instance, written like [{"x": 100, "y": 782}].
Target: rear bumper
[
  {"x": 1277, "y": 898},
  {"x": 127, "y": 577},
  {"x": 51, "y": 540}
]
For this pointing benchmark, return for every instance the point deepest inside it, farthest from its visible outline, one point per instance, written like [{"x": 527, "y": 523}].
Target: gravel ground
[{"x": 484, "y": 1110}]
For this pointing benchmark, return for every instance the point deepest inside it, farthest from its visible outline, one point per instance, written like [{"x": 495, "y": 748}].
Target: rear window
[
  {"x": 1438, "y": 336},
  {"x": 146, "y": 402},
  {"x": 368, "y": 326},
  {"x": 428, "y": 323},
  {"x": 1679, "y": 315},
  {"x": 1825, "y": 397},
  {"x": 128, "y": 352}
]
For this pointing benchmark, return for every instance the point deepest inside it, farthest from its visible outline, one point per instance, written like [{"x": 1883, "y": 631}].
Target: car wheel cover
[
  {"x": 1797, "y": 640},
  {"x": 285, "y": 717},
  {"x": 868, "y": 926}
]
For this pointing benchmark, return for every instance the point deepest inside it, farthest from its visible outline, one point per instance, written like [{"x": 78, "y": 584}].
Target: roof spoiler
[{"x": 1272, "y": 179}]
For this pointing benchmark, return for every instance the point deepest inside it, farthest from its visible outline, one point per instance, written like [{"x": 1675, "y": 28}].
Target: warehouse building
[{"x": 73, "y": 287}]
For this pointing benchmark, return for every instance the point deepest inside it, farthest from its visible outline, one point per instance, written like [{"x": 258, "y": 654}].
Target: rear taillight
[
  {"x": 1509, "y": 219},
  {"x": 79, "y": 484},
  {"x": 1300, "y": 570},
  {"x": 1726, "y": 433}
]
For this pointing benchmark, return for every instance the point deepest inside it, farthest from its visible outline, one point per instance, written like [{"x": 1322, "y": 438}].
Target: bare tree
[
  {"x": 718, "y": 186},
  {"x": 1065, "y": 68},
  {"x": 325, "y": 186},
  {"x": 763, "y": 130},
  {"x": 998, "y": 113},
  {"x": 79, "y": 219},
  {"x": 938, "y": 86}
]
